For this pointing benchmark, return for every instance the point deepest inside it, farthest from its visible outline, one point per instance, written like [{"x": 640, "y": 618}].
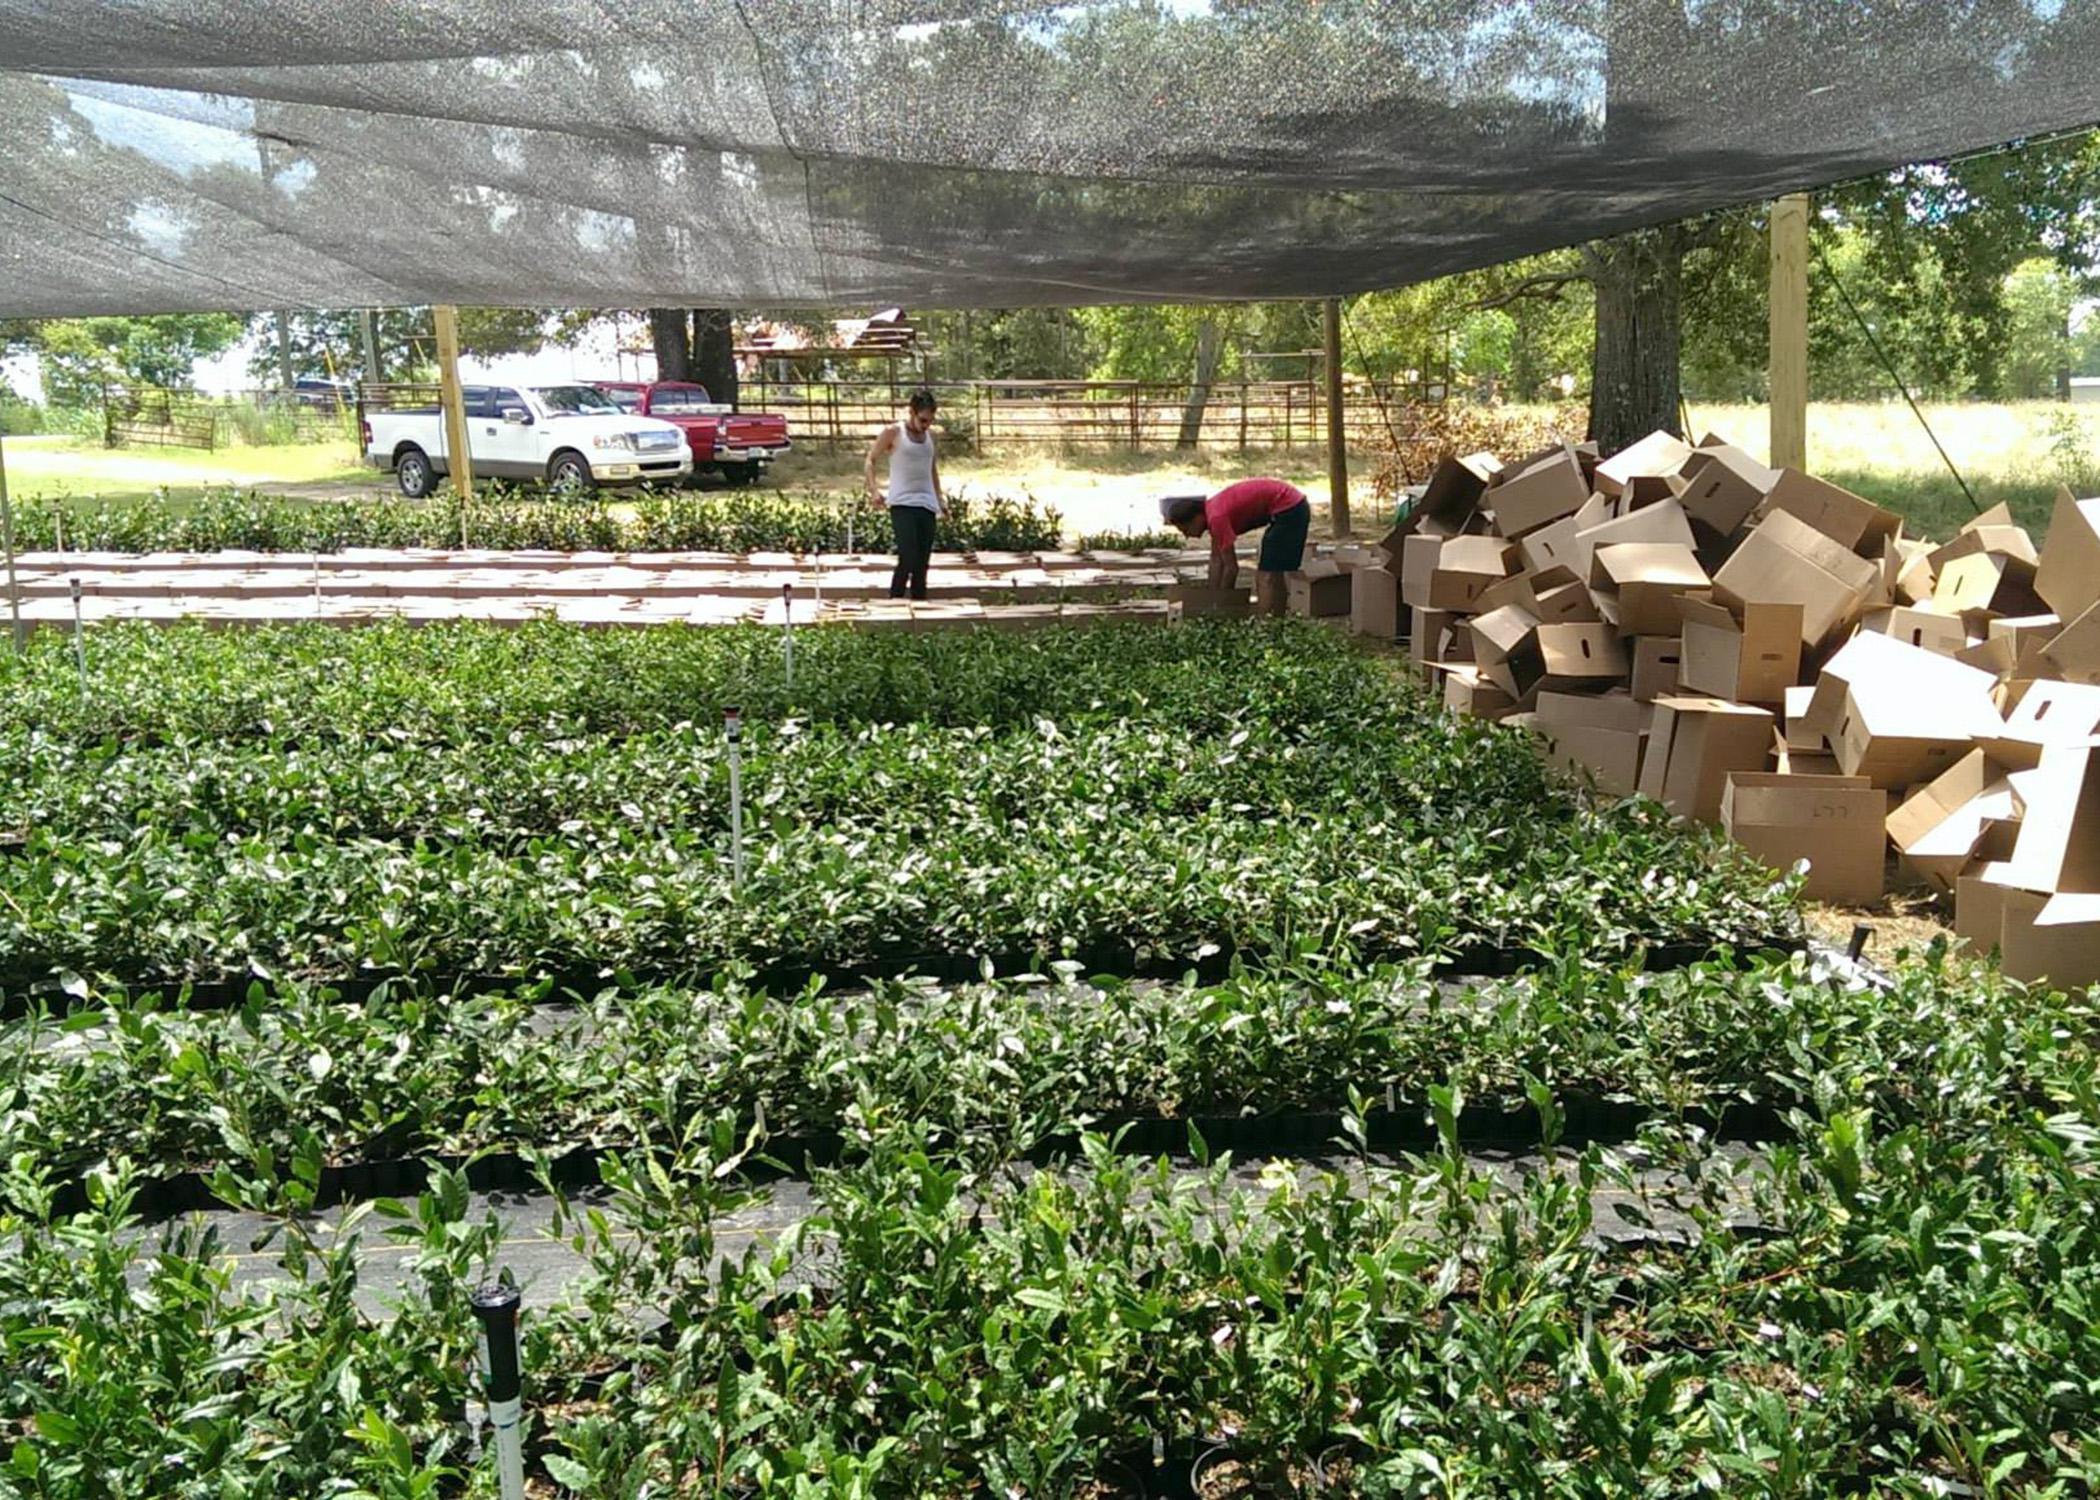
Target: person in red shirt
[{"x": 1278, "y": 510}]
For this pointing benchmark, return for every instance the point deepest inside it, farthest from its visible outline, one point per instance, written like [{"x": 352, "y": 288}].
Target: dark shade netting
[{"x": 170, "y": 154}]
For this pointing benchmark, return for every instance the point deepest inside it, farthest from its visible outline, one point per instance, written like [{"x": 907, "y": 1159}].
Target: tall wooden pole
[
  {"x": 1789, "y": 354},
  {"x": 1337, "y": 425},
  {"x": 458, "y": 458}
]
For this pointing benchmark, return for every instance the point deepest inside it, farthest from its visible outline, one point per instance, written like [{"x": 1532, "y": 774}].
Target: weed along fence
[
  {"x": 154, "y": 418},
  {"x": 1100, "y": 414}
]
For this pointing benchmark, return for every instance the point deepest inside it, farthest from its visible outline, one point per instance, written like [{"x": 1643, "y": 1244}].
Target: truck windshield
[
  {"x": 680, "y": 401},
  {"x": 575, "y": 400}
]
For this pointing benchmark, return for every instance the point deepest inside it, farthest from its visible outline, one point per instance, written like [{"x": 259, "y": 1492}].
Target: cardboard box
[
  {"x": 1597, "y": 736},
  {"x": 1693, "y": 743},
  {"x": 1986, "y": 581},
  {"x": 2039, "y": 714},
  {"x": 1858, "y": 525},
  {"x": 1720, "y": 487},
  {"x": 1637, "y": 585},
  {"x": 1906, "y": 571},
  {"x": 1798, "y": 735},
  {"x": 2058, "y": 849},
  {"x": 1551, "y": 547},
  {"x": 1939, "y": 828},
  {"x": 1663, "y": 522},
  {"x": 1943, "y": 635},
  {"x": 1451, "y": 573},
  {"x": 1979, "y": 907},
  {"x": 2049, "y": 939},
  {"x": 1351, "y": 556},
  {"x": 1752, "y": 660},
  {"x": 1506, "y": 647},
  {"x": 1642, "y": 471},
  {"x": 1466, "y": 691},
  {"x": 1436, "y": 635},
  {"x": 1568, "y": 603},
  {"x": 2074, "y": 652},
  {"x": 1784, "y": 561},
  {"x": 1833, "y": 822},
  {"x": 1374, "y": 603},
  {"x": 1317, "y": 591},
  {"x": 1581, "y": 658},
  {"x": 1195, "y": 599},
  {"x": 1899, "y": 714},
  {"x": 2068, "y": 578},
  {"x": 1547, "y": 488},
  {"x": 1657, "y": 660}
]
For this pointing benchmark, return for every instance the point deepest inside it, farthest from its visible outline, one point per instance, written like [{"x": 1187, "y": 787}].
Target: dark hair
[
  {"x": 1177, "y": 510},
  {"x": 922, "y": 400}
]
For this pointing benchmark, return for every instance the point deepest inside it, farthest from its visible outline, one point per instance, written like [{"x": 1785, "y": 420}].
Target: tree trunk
[
  {"x": 284, "y": 350},
  {"x": 674, "y": 352},
  {"x": 1208, "y": 341},
  {"x": 714, "y": 352},
  {"x": 2063, "y": 360},
  {"x": 1634, "y": 386}
]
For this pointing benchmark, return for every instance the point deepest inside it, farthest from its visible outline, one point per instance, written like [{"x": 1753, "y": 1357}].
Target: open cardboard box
[
  {"x": 1193, "y": 599},
  {"x": 1939, "y": 829},
  {"x": 1637, "y": 585},
  {"x": 1451, "y": 573},
  {"x": 1548, "y": 487},
  {"x": 2042, "y": 713},
  {"x": 1693, "y": 743},
  {"x": 1858, "y": 525},
  {"x": 1719, "y": 487},
  {"x": 1506, "y": 647},
  {"x": 1657, "y": 662},
  {"x": 1468, "y": 691},
  {"x": 1319, "y": 590},
  {"x": 1898, "y": 714},
  {"x": 1437, "y": 635},
  {"x": 1455, "y": 487},
  {"x": 1580, "y": 658},
  {"x": 2068, "y": 576},
  {"x": 1374, "y": 603},
  {"x": 1642, "y": 471},
  {"x": 1929, "y": 630},
  {"x": 1664, "y": 521},
  {"x": 2073, "y": 653},
  {"x": 1833, "y": 822},
  {"x": 1752, "y": 659},
  {"x": 1785, "y": 561},
  {"x": 1596, "y": 734}
]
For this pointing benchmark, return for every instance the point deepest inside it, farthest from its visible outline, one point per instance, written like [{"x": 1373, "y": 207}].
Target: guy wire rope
[{"x": 1888, "y": 364}]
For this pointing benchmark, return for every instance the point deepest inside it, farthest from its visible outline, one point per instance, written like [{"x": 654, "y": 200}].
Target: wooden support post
[
  {"x": 1337, "y": 425},
  {"x": 459, "y": 459},
  {"x": 1789, "y": 354},
  {"x": 7, "y": 539}
]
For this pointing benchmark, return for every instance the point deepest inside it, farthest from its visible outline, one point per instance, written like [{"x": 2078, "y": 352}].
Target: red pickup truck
[{"x": 736, "y": 445}]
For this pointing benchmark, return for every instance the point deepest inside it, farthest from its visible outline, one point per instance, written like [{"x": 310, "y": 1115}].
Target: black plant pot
[{"x": 1223, "y": 1472}]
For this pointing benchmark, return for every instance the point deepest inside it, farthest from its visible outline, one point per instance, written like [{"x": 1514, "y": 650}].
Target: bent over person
[
  {"x": 914, "y": 496},
  {"x": 1279, "y": 510}
]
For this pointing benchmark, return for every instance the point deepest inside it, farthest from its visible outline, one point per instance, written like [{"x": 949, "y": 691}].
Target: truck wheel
[
  {"x": 569, "y": 472},
  {"x": 414, "y": 473}
]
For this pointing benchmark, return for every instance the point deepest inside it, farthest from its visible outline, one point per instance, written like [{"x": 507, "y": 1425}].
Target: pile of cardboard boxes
[{"x": 1755, "y": 647}]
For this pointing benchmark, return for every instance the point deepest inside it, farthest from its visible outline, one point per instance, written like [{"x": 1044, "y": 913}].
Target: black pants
[{"x": 913, "y": 525}]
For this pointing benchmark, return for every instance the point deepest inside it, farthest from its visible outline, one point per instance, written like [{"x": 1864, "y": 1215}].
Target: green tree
[
  {"x": 80, "y": 355},
  {"x": 2038, "y": 360}
]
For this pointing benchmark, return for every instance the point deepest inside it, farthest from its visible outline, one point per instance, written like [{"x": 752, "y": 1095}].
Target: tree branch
[{"x": 1542, "y": 288}]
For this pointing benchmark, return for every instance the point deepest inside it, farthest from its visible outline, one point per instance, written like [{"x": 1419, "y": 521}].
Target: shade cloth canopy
[{"x": 214, "y": 154}]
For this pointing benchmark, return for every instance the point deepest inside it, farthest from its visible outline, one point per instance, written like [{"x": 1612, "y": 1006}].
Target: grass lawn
[{"x": 74, "y": 467}]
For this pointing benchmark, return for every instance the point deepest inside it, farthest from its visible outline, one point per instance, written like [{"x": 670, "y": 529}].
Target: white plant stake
[
  {"x": 79, "y": 637},
  {"x": 849, "y": 534},
  {"x": 317, "y": 584},
  {"x": 496, "y": 1306},
  {"x": 787, "y": 639},
  {"x": 733, "y": 726}
]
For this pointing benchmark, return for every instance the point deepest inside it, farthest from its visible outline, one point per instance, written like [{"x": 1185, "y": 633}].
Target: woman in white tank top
[{"x": 914, "y": 499}]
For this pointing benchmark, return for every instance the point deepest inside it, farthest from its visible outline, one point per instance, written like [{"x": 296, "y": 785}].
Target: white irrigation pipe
[
  {"x": 496, "y": 1306},
  {"x": 733, "y": 726}
]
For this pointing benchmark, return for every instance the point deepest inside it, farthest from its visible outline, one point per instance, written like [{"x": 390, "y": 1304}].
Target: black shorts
[{"x": 1283, "y": 539}]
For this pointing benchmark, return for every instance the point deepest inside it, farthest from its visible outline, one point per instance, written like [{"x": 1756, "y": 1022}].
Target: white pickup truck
[{"x": 568, "y": 437}]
